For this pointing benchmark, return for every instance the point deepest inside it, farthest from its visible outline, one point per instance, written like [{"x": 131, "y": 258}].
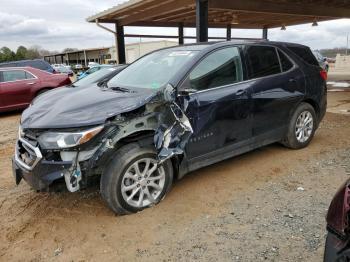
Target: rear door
[
  {"x": 16, "y": 87},
  {"x": 278, "y": 86},
  {"x": 220, "y": 107}
]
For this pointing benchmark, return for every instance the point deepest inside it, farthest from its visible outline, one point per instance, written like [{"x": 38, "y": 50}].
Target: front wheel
[
  {"x": 134, "y": 181},
  {"x": 302, "y": 127}
]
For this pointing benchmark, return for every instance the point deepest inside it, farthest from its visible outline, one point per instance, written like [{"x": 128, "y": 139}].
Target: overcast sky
[{"x": 57, "y": 24}]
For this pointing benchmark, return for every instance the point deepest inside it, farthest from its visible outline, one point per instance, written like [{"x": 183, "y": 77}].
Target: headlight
[{"x": 55, "y": 140}]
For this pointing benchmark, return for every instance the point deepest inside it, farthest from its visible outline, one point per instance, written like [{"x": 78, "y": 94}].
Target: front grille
[{"x": 27, "y": 155}]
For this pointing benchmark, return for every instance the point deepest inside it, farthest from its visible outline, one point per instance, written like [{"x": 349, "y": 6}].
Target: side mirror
[{"x": 169, "y": 93}]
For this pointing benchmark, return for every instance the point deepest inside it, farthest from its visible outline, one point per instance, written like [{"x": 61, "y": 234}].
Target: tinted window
[
  {"x": 14, "y": 75},
  {"x": 285, "y": 62},
  {"x": 305, "y": 54},
  {"x": 263, "y": 61},
  {"x": 223, "y": 67}
]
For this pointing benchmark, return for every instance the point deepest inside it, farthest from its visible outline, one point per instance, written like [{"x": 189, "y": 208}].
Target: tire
[
  {"x": 292, "y": 140},
  {"x": 121, "y": 174}
]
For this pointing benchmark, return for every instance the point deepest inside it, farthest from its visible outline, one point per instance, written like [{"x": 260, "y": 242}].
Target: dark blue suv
[{"x": 170, "y": 112}]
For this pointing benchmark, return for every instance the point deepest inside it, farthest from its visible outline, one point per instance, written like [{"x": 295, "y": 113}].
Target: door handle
[
  {"x": 31, "y": 83},
  {"x": 241, "y": 92},
  {"x": 292, "y": 80}
]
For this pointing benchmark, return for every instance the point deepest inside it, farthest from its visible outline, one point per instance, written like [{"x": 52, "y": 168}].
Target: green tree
[
  {"x": 7, "y": 54},
  {"x": 21, "y": 53}
]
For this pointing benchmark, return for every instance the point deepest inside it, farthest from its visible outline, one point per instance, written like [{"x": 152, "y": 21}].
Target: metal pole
[
  {"x": 181, "y": 34},
  {"x": 228, "y": 32},
  {"x": 264, "y": 33},
  {"x": 202, "y": 20},
  {"x": 121, "y": 43}
]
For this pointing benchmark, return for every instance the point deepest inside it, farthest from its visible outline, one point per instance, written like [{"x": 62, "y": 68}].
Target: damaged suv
[{"x": 170, "y": 112}]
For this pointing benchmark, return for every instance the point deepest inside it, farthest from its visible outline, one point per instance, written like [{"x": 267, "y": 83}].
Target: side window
[
  {"x": 263, "y": 61},
  {"x": 305, "y": 54},
  {"x": 286, "y": 64},
  {"x": 222, "y": 67},
  {"x": 14, "y": 75},
  {"x": 29, "y": 75}
]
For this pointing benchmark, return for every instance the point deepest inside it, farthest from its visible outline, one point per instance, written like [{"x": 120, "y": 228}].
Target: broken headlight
[{"x": 57, "y": 140}]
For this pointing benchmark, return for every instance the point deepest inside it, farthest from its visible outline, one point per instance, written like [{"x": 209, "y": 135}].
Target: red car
[
  {"x": 19, "y": 85},
  {"x": 337, "y": 247}
]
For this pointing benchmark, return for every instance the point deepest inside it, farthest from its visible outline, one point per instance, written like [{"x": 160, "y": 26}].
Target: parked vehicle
[
  {"x": 337, "y": 247},
  {"x": 100, "y": 76},
  {"x": 170, "y": 112},
  {"x": 91, "y": 70},
  {"x": 35, "y": 63},
  {"x": 64, "y": 70},
  {"x": 321, "y": 60},
  {"x": 19, "y": 85},
  {"x": 78, "y": 66}
]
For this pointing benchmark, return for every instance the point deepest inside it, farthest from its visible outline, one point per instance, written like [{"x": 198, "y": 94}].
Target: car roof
[
  {"x": 21, "y": 61},
  {"x": 212, "y": 45}
]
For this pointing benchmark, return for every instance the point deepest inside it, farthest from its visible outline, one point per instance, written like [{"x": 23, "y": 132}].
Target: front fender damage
[{"x": 161, "y": 115}]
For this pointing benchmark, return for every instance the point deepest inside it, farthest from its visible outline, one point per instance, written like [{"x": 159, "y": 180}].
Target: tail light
[{"x": 323, "y": 74}]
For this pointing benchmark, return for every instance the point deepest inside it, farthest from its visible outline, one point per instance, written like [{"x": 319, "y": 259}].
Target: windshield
[
  {"x": 94, "y": 77},
  {"x": 152, "y": 71}
]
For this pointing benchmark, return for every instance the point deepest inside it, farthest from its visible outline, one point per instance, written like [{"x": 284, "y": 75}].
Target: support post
[
  {"x": 67, "y": 58},
  {"x": 120, "y": 44},
  {"x": 85, "y": 59},
  {"x": 264, "y": 33},
  {"x": 202, "y": 20},
  {"x": 54, "y": 59},
  {"x": 228, "y": 32},
  {"x": 181, "y": 34}
]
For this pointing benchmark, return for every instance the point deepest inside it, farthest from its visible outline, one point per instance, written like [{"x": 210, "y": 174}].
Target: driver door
[{"x": 219, "y": 105}]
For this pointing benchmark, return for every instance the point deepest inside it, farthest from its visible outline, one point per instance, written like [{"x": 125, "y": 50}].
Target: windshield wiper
[{"x": 121, "y": 89}]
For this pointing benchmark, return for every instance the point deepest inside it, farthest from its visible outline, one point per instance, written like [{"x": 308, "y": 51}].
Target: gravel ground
[{"x": 268, "y": 204}]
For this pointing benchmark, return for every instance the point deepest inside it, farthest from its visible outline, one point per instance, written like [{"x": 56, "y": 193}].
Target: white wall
[
  {"x": 342, "y": 63},
  {"x": 136, "y": 50}
]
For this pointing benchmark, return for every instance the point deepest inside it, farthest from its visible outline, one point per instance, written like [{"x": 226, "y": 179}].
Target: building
[{"x": 106, "y": 55}]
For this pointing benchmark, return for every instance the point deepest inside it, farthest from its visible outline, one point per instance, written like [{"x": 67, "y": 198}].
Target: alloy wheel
[
  {"x": 143, "y": 183},
  {"x": 304, "y": 126}
]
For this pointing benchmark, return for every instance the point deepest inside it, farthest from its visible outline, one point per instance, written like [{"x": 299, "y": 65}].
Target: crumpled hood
[{"x": 85, "y": 106}]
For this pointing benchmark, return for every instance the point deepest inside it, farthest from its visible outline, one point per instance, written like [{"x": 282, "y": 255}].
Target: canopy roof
[{"x": 239, "y": 14}]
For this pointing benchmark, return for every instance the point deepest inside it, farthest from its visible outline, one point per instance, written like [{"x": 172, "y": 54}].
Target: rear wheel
[
  {"x": 134, "y": 181},
  {"x": 301, "y": 128}
]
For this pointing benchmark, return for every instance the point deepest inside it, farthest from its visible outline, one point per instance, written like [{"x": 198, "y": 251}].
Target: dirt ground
[{"x": 268, "y": 204}]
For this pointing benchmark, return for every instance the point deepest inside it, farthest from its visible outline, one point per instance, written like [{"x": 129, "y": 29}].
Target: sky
[{"x": 59, "y": 24}]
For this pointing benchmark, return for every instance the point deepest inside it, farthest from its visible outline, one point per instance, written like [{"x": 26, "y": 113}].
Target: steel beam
[
  {"x": 264, "y": 33},
  {"x": 228, "y": 32},
  {"x": 181, "y": 34},
  {"x": 202, "y": 7},
  {"x": 120, "y": 43}
]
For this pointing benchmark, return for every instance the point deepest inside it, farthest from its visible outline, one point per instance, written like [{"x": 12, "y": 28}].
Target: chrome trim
[{"x": 36, "y": 150}]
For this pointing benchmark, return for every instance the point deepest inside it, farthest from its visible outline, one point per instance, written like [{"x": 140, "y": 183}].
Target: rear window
[
  {"x": 263, "y": 61},
  {"x": 286, "y": 64},
  {"x": 38, "y": 64},
  {"x": 305, "y": 54}
]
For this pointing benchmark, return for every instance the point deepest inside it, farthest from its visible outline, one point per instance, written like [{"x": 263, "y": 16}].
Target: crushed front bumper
[
  {"x": 29, "y": 164},
  {"x": 42, "y": 175}
]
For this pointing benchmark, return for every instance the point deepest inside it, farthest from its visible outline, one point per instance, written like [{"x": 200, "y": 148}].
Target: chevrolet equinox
[{"x": 170, "y": 112}]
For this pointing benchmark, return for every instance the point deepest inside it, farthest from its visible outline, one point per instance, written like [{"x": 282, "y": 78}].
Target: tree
[
  {"x": 6, "y": 54},
  {"x": 33, "y": 52},
  {"x": 67, "y": 50},
  {"x": 21, "y": 53}
]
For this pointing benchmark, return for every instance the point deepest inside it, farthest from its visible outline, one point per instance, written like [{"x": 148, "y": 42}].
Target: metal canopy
[
  {"x": 253, "y": 14},
  {"x": 202, "y": 14}
]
